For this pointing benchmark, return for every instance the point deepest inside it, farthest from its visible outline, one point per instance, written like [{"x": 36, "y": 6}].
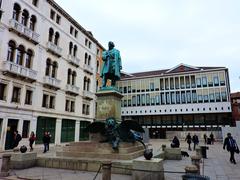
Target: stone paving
[{"x": 216, "y": 166}]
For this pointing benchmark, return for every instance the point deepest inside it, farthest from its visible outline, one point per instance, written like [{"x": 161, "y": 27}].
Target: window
[
  {"x": 25, "y": 129},
  {"x": 70, "y": 105},
  {"x": 167, "y": 98},
  {"x": 54, "y": 69},
  {"x": 188, "y": 97},
  {"x": 75, "y": 51},
  {"x": 70, "y": 48},
  {"x": 205, "y": 98},
  {"x": 147, "y": 99},
  {"x": 56, "y": 40},
  {"x": 129, "y": 102},
  {"x": 134, "y": 100},
  {"x": 152, "y": 86},
  {"x": 138, "y": 100},
  {"x": 58, "y": 19},
  {"x": 86, "y": 57},
  {"x": 76, "y": 33},
  {"x": 98, "y": 52},
  {"x": 16, "y": 94},
  {"x": 86, "y": 42},
  {"x": 16, "y": 11},
  {"x": 89, "y": 45},
  {"x": 52, "y": 14},
  {"x": 20, "y": 55},
  {"x": 33, "y": 21},
  {"x": 35, "y": 2},
  {"x": 178, "y": 97},
  {"x": 198, "y": 81},
  {"x": 52, "y": 102},
  {"x": 98, "y": 66},
  {"x": 3, "y": 91},
  {"x": 67, "y": 105},
  {"x": 25, "y": 16},
  {"x": 28, "y": 62},
  {"x": 45, "y": 100},
  {"x": 143, "y": 99},
  {"x": 224, "y": 96},
  {"x": 216, "y": 81},
  {"x": 204, "y": 81},
  {"x": 48, "y": 101},
  {"x": 11, "y": 51},
  {"x": 89, "y": 60},
  {"x": 194, "y": 96},
  {"x": 200, "y": 98},
  {"x": 50, "y": 35},
  {"x": 129, "y": 89},
  {"x": 211, "y": 96},
  {"x": 217, "y": 95},
  {"x": 28, "y": 98},
  {"x": 183, "y": 97}
]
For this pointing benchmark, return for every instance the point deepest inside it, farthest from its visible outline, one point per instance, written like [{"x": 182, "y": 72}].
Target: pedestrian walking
[
  {"x": 189, "y": 141},
  {"x": 45, "y": 142},
  {"x": 195, "y": 141},
  {"x": 16, "y": 139},
  {"x": 205, "y": 138},
  {"x": 232, "y": 147},
  {"x": 212, "y": 138},
  {"x": 32, "y": 139}
]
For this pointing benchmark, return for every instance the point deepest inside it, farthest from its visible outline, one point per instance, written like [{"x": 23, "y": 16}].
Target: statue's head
[
  {"x": 111, "y": 45},
  {"x": 110, "y": 122}
]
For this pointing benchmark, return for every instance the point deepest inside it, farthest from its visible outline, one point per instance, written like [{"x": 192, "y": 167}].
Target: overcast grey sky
[{"x": 158, "y": 34}]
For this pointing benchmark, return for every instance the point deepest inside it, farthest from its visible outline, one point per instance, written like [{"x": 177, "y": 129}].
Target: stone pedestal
[
  {"x": 106, "y": 170},
  {"x": 108, "y": 104},
  {"x": 173, "y": 153},
  {"x": 5, "y": 165},
  {"x": 23, "y": 160},
  {"x": 148, "y": 169}
]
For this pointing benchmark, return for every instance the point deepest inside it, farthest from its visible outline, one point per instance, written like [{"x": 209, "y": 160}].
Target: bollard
[
  {"x": 5, "y": 165},
  {"x": 196, "y": 161},
  {"x": 106, "y": 170},
  {"x": 191, "y": 169}
]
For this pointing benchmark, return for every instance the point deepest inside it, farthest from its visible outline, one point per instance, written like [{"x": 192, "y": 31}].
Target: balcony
[
  {"x": 54, "y": 49},
  {"x": 71, "y": 89},
  {"x": 23, "y": 31},
  {"x": 88, "y": 69},
  {"x": 17, "y": 70},
  {"x": 73, "y": 60},
  {"x": 88, "y": 94},
  {"x": 51, "y": 82}
]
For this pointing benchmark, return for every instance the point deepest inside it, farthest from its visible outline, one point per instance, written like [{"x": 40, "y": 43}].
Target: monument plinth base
[{"x": 108, "y": 104}]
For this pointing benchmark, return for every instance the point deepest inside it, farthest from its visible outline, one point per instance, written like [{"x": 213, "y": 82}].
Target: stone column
[
  {"x": 58, "y": 131},
  {"x": 5, "y": 165},
  {"x": 106, "y": 170},
  {"x": 77, "y": 130}
]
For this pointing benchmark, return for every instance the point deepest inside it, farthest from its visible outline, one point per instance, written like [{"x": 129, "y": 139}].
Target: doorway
[{"x": 11, "y": 127}]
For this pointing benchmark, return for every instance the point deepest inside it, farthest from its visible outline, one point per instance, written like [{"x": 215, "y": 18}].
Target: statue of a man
[{"x": 111, "y": 65}]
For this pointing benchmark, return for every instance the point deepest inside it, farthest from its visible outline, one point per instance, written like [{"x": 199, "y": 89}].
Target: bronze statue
[{"x": 111, "y": 65}]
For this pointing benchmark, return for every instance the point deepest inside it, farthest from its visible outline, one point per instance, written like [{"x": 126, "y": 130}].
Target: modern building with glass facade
[{"x": 181, "y": 98}]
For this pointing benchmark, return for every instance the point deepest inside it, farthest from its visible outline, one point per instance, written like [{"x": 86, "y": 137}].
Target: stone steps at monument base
[
  {"x": 116, "y": 156},
  {"x": 93, "y": 144},
  {"x": 108, "y": 149}
]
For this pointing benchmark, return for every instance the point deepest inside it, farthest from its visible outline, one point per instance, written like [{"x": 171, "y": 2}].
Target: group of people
[
  {"x": 209, "y": 140},
  {"x": 191, "y": 139},
  {"x": 32, "y": 138}
]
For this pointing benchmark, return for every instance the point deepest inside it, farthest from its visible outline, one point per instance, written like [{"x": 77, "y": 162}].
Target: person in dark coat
[
  {"x": 231, "y": 147},
  {"x": 45, "y": 142},
  {"x": 205, "y": 138},
  {"x": 212, "y": 138},
  {"x": 195, "y": 141},
  {"x": 189, "y": 141},
  {"x": 16, "y": 139},
  {"x": 175, "y": 142},
  {"x": 32, "y": 138}
]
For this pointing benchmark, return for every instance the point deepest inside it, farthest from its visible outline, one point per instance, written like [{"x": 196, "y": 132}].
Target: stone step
[
  {"x": 82, "y": 148},
  {"x": 92, "y": 144},
  {"x": 115, "y": 155}
]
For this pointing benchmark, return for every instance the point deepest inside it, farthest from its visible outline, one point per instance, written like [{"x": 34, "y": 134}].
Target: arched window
[
  {"x": 11, "y": 51},
  {"x": 97, "y": 66},
  {"x": 74, "y": 75},
  {"x": 57, "y": 36},
  {"x": 75, "y": 51},
  {"x": 85, "y": 83},
  {"x": 25, "y": 16},
  {"x": 48, "y": 67},
  {"x": 20, "y": 54},
  {"x": 89, "y": 60},
  {"x": 70, "y": 48},
  {"x": 29, "y": 55},
  {"x": 88, "y": 84},
  {"x": 16, "y": 11},
  {"x": 69, "y": 76},
  {"x": 33, "y": 21},
  {"x": 86, "y": 57},
  {"x": 54, "y": 69},
  {"x": 50, "y": 35}
]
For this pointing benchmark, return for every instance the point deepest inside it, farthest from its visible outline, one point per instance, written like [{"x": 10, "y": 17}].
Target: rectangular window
[
  {"x": 224, "y": 96},
  {"x": 162, "y": 98},
  {"x": 198, "y": 81},
  {"x": 157, "y": 98},
  {"x": 52, "y": 102},
  {"x": 89, "y": 45},
  {"x": 134, "y": 100},
  {"x": 211, "y": 97},
  {"x": 147, "y": 99},
  {"x": 188, "y": 97},
  {"x": 194, "y": 96},
  {"x": 3, "y": 92},
  {"x": 125, "y": 103},
  {"x": 72, "y": 106},
  {"x": 16, "y": 94},
  {"x": 129, "y": 102},
  {"x": 200, "y": 98},
  {"x": 45, "y": 101},
  {"x": 204, "y": 81},
  {"x": 86, "y": 42},
  {"x": 143, "y": 99},
  {"x": 178, "y": 97},
  {"x": 205, "y": 98},
  {"x": 129, "y": 89},
  {"x": 172, "y": 98},
  {"x": 217, "y": 95},
  {"x": 183, "y": 97},
  {"x": 58, "y": 19},
  {"x": 28, "y": 98},
  {"x": 152, "y": 86},
  {"x": 52, "y": 14},
  {"x": 71, "y": 30},
  {"x": 125, "y": 89},
  {"x": 216, "y": 81},
  {"x": 88, "y": 110},
  {"x": 167, "y": 98},
  {"x": 25, "y": 129},
  {"x": 76, "y": 33},
  {"x": 152, "y": 101},
  {"x": 67, "y": 105},
  {"x": 84, "y": 109},
  {"x": 138, "y": 100}
]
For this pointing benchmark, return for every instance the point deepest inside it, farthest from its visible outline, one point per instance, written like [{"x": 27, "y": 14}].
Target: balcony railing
[
  {"x": 88, "y": 68},
  {"x": 53, "y": 82},
  {"x": 88, "y": 94},
  {"x": 10, "y": 67},
  {"x": 72, "y": 89},
  {"x": 24, "y": 31},
  {"x": 53, "y": 48},
  {"x": 73, "y": 60}
]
